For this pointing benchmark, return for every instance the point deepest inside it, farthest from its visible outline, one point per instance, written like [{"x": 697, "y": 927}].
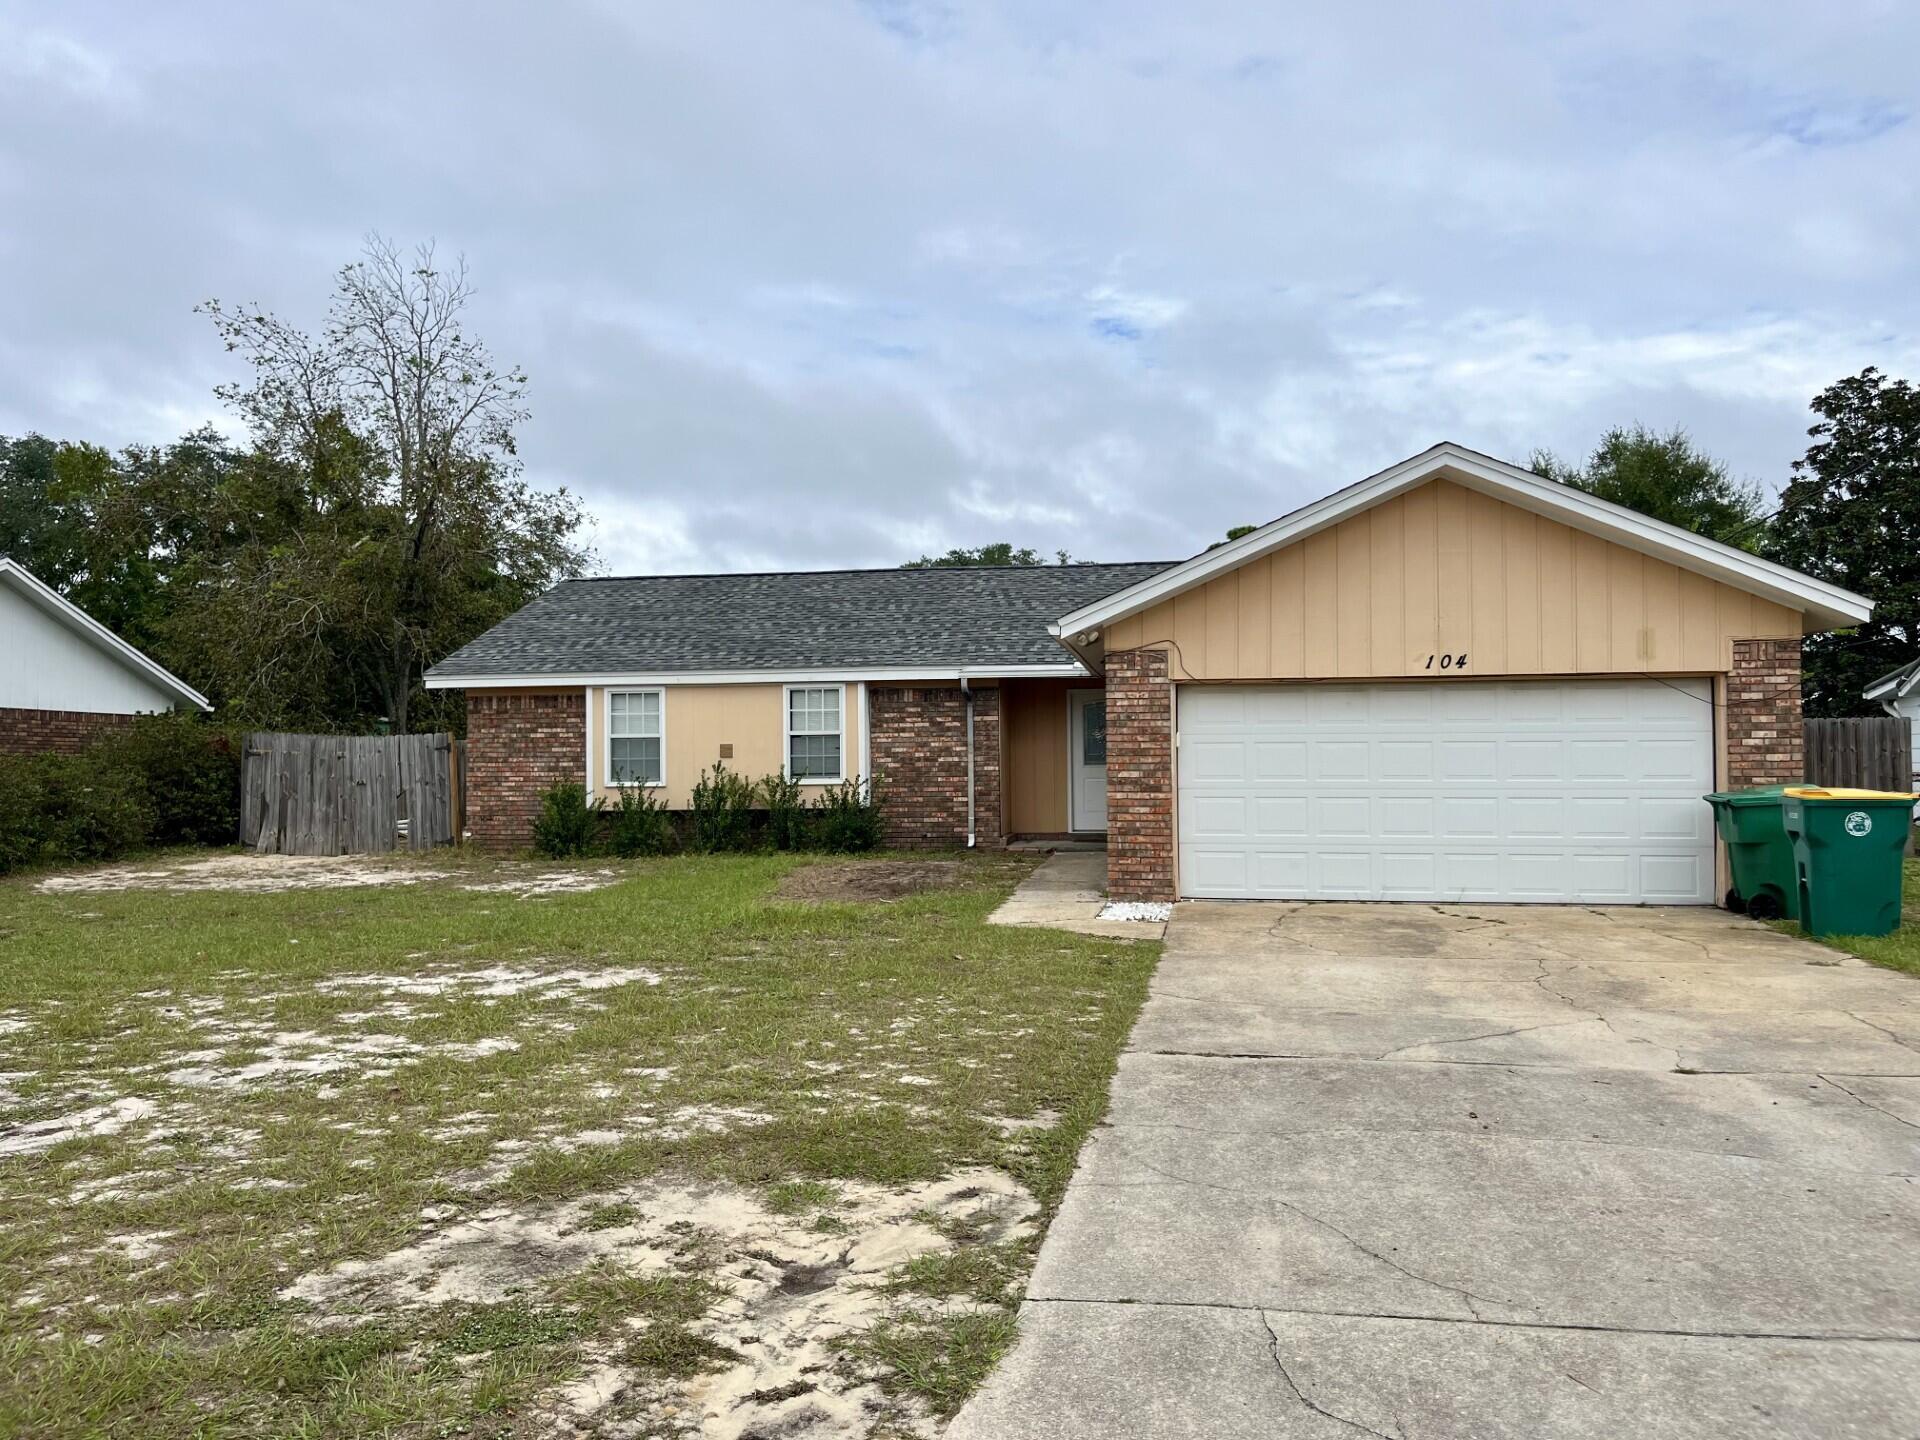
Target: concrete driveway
[{"x": 1466, "y": 1171}]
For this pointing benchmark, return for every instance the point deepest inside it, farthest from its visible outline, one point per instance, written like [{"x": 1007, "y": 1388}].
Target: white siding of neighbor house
[
  {"x": 1910, "y": 709},
  {"x": 46, "y": 666}
]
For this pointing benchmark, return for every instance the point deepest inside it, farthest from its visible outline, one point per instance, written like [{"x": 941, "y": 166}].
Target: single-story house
[
  {"x": 1453, "y": 680},
  {"x": 1898, "y": 693},
  {"x": 66, "y": 678}
]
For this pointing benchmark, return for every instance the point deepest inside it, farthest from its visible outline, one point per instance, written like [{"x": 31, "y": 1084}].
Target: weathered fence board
[
  {"x": 1870, "y": 754},
  {"x": 346, "y": 794}
]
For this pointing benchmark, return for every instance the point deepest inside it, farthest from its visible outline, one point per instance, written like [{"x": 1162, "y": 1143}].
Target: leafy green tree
[
  {"x": 1234, "y": 532},
  {"x": 999, "y": 553},
  {"x": 1851, "y": 515},
  {"x": 382, "y": 519},
  {"x": 1665, "y": 476}
]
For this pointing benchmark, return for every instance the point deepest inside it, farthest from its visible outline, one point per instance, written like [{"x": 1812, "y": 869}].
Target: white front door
[
  {"x": 1087, "y": 760},
  {"x": 1542, "y": 790}
]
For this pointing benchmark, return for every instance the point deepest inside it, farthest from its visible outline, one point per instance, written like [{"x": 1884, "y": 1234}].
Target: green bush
[
  {"x": 789, "y": 822},
  {"x": 191, "y": 772},
  {"x": 21, "y": 797},
  {"x": 89, "y": 807},
  {"x": 568, "y": 823},
  {"x": 722, "y": 811},
  {"x": 641, "y": 824},
  {"x": 164, "y": 780},
  {"x": 849, "y": 817}
]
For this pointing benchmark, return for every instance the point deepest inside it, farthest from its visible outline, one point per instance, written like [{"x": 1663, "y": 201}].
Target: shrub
[
  {"x": 722, "y": 811},
  {"x": 789, "y": 823},
  {"x": 849, "y": 817},
  {"x": 191, "y": 772},
  {"x": 92, "y": 807},
  {"x": 568, "y": 821},
  {"x": 641, "y": 825},
  {"x": 171, "y": 779}
]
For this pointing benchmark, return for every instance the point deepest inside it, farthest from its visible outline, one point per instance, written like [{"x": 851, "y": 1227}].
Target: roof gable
[
  {"x": 1829, "y": 604},
  {"x": 84, "y": 627}
]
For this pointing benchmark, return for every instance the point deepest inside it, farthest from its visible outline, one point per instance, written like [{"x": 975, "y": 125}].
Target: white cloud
[{"x": 839, "y": 285}]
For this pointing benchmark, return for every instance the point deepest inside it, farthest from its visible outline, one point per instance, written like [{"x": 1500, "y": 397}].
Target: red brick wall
[
  {"x": 37, "y": 732},
  {"x": 1766, "y": 741},
  {"x": 919, "y": 745},
  {"x": 518, "y": 746},
  {"x": 1139, "y": 776}
]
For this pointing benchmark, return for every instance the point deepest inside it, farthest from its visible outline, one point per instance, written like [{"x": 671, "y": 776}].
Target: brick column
[
  {"x": 1766, "y": 741},
  {"x": 986, "y": 767},
  {"x": 1139, "y": 776},
  {"x": 919, "y": 745},
  {"x": 518, "y": 747}
]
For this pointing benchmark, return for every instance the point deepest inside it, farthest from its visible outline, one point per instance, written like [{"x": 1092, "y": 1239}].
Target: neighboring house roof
[
  {"x": 1828, "y": 605},
  {"x": 1896, "y": 684},
  {"x": 84, "y": 627},
  {"x": 988, "y": 620}
]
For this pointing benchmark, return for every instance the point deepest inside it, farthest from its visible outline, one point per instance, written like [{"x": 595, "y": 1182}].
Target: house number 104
[{"x": 1448, "y": 662}]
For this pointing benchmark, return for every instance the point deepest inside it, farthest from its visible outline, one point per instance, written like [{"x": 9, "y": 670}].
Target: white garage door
[{"x": 1534, "y": 791}]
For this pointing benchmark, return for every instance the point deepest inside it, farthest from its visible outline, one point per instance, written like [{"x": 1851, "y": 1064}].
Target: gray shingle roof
[{"x": 802, "y": 620}]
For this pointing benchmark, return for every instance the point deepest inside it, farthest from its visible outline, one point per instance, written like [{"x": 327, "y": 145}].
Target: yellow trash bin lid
[{"x": 1823, "y": 792}]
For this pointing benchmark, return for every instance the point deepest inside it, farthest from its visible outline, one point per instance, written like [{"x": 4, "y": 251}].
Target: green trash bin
[
  {"x": 1847, "y": 850},
  {"x": 1759, "y": 851}
]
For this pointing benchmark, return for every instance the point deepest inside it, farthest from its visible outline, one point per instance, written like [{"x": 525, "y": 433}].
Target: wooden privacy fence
[
  {"x": 1871, "y": 754},
  {"x": 348, "y": 794}
]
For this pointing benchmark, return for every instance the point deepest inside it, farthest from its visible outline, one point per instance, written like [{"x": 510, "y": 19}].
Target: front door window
[{"x": 1093, "y": 733}]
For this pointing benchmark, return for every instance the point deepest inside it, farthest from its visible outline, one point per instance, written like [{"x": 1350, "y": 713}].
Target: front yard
[{"x": 733, "y": 1147}]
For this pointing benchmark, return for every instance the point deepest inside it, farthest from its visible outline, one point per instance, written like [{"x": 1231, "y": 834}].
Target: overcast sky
[{"x": 823, "y": 284}]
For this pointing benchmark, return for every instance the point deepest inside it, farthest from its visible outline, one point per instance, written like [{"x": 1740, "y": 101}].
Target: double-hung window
[
  {"x": 816, "y": 732},
  {"x": 636, "y": 737}
]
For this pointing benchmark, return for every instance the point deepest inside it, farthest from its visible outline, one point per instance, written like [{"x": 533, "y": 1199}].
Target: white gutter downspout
[
  {"x": 866, "y": 742},
  {"x": 966, "y": 689},
  {"x": 587, "y": 695}
]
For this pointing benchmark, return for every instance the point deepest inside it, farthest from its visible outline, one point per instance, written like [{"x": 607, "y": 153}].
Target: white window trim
[
  {"x": 787, "y": 733},
  {"x": 607, "y": 750}
]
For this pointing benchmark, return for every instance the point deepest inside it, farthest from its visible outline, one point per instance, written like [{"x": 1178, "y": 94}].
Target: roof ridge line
[{"x": 858, "y": 570}]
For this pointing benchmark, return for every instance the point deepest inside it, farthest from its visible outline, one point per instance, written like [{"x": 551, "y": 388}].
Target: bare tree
[{"x": 396, "y": 428}]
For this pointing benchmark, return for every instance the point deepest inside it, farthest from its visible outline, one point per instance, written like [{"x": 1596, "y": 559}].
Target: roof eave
[{"x": 1832, "y": 606}]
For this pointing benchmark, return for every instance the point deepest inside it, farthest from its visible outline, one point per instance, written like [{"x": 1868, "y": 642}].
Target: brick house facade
[
  {"x": 919, "y": 748},
  {"x": 518, "y": 746},
  {"x": 1766, "y": 735},
  {"x": 58, "y": 732}
]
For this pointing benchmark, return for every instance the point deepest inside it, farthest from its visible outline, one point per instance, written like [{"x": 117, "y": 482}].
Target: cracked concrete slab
[
  {"x": 1488, "y": 1171},
  {"x": 1460, "y": 1226},
  {"x": 1147, "y": 1372},
  {"x": 1850, "y": 1123}
]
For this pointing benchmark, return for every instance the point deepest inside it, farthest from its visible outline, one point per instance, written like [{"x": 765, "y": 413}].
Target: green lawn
[
  {"x": 584, "y": 1153},
  {"x": 1901, "y": 949}
]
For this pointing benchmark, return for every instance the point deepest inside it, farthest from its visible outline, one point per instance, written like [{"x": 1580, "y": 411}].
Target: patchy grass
[
  {"x": 1898, "y": 951},
  {"x": 418, "y": 1159}
]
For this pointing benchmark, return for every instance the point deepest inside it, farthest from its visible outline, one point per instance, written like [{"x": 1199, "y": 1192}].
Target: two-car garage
[
  {"x": 1545, "y": 790},
  {"x": 1455, "y": 680}
]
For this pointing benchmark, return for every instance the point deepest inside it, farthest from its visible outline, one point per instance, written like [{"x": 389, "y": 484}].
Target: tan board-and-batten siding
[{"x": 1444, "y": 571}]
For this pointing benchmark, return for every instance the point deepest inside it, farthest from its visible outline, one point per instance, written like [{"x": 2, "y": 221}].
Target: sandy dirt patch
[
  {"x": 867, "y": 880},
  {"x": 107, "y": 1119},
  {"x": 532, "y": 885},
  {"x": 792, "y": 1287},
  {"x": 257, "y": 874}
]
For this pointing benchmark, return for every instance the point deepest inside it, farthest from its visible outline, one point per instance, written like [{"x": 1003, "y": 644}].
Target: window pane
[
  {"x": 813, "y": 711},
  {"x": 636, "y": 713},
  {"x": 636, "y": 759},
  {"x": 814, "y": 757},
  {"x": 1093, "y": 733}
]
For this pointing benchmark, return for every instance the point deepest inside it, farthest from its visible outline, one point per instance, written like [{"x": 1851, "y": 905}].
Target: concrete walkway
[
  {"x": 1465, "y": 1173},
  {"x": 1068, "y": 892}
]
